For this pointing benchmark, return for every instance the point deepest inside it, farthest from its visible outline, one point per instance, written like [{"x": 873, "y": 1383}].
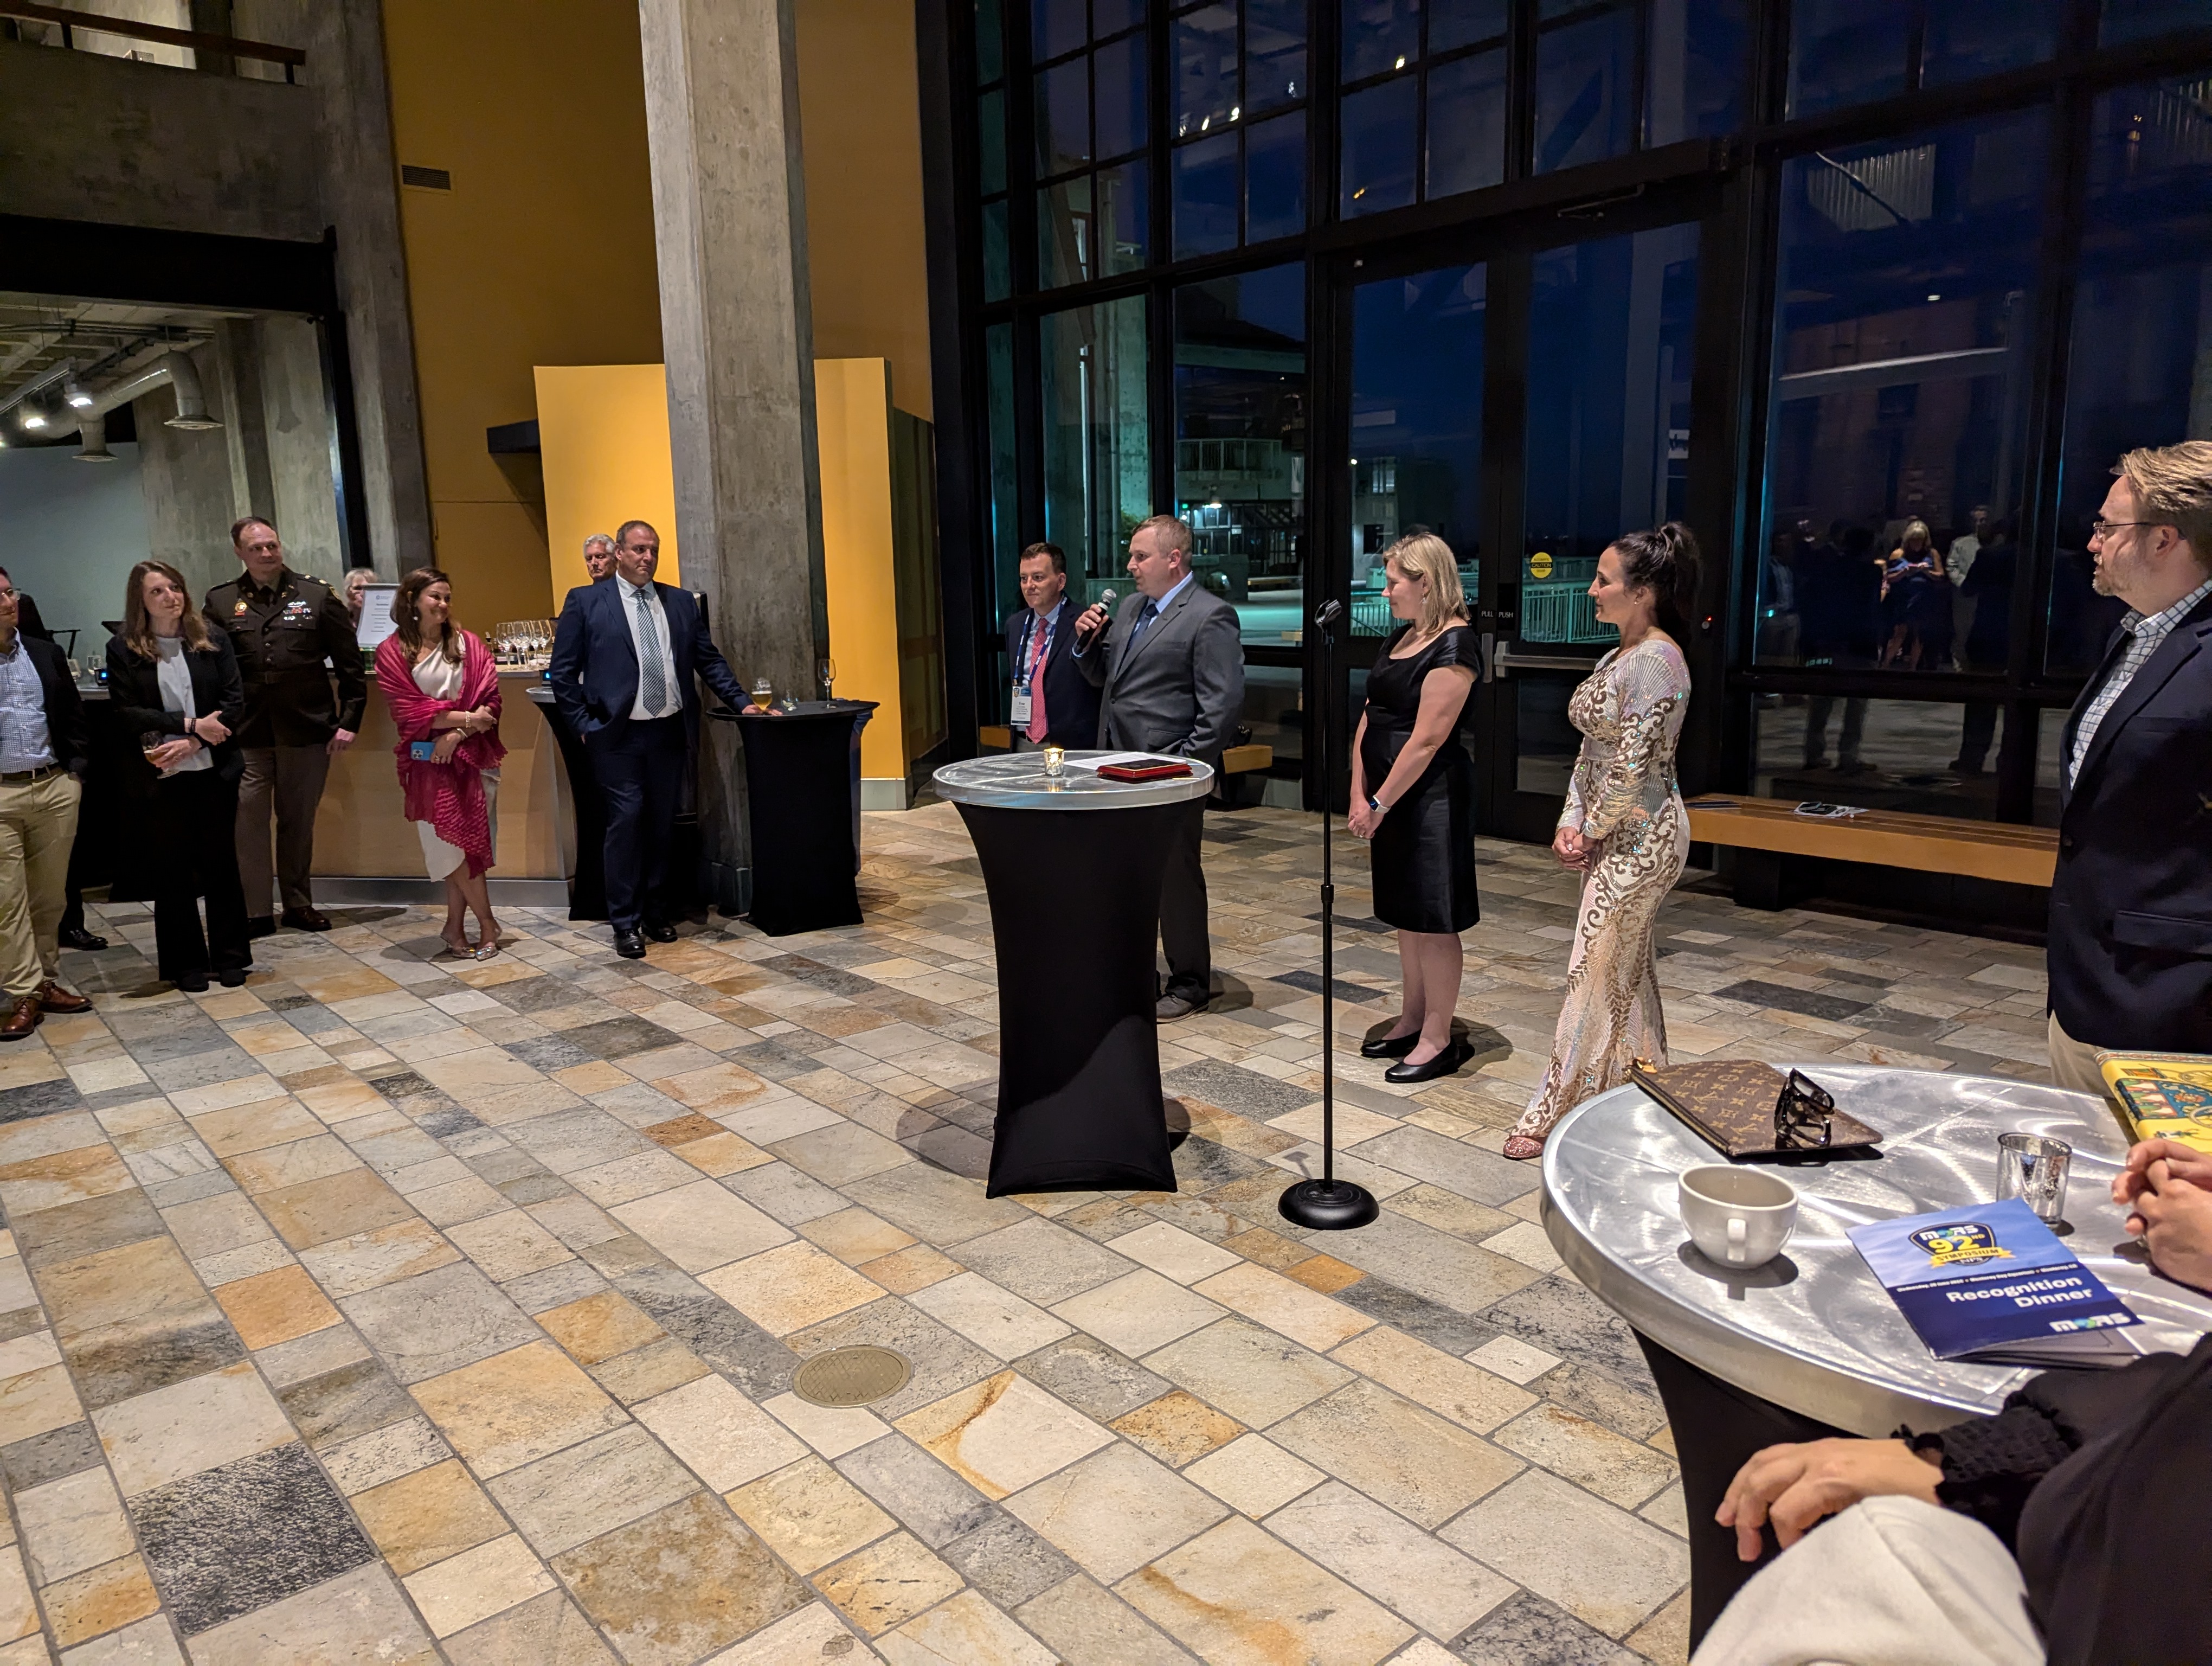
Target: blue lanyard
[{"x": 1028, "y": 628}]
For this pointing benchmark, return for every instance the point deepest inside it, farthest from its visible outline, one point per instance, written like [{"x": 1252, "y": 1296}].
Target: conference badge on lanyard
[{"x": 1019, "y": 704}]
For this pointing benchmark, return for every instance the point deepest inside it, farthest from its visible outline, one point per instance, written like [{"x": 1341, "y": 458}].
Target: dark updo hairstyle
[{"x": 1664, "y": 561}]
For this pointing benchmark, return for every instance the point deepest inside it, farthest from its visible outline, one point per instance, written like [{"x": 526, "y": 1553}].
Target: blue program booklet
[{"x": 1991, "y": 1284}]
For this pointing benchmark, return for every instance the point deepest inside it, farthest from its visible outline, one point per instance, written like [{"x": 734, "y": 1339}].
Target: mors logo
[{"x": 1962, "y": 1242}]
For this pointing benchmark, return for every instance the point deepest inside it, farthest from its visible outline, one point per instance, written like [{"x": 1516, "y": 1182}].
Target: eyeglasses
[
  {"x": 1804, "y": 1114},
  {"x": 2102, "y": 528}
]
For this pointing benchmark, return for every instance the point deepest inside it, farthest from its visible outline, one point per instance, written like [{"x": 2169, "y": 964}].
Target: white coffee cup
[{"x": 1737, "y": 1216}]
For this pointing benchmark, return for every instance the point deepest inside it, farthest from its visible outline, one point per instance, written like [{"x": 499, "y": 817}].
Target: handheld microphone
[{"x": 1106, "y": 601}]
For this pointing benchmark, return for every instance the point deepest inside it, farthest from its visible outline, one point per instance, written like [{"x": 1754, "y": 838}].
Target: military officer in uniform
[{"x": 293, "y": 636}]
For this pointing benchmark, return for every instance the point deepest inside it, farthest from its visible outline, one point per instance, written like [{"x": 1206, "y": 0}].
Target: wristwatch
[{"x": 1377, "y": 806}]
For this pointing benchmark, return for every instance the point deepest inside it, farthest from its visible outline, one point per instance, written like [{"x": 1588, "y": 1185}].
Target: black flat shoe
[
  {"x": 192, "y": 983},
  {"x": 630, "y": 944},
  {"x": 77, "y": 938},
  {"x": 1391, "y": 1048},
  {"x": 661, "y": 931},
  {"x": 1445, "y": 1063},
  {"x": 233, "y": 978}
]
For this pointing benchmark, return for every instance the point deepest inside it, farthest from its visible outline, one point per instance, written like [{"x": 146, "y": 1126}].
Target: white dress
[{"x": 440, "y": 678}]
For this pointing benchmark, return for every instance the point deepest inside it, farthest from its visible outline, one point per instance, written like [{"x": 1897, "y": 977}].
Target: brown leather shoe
[
  {"x": 53, "y": 998},
  {"x": 22, "y": 1019},
  {"x": 307, "y": 919}
]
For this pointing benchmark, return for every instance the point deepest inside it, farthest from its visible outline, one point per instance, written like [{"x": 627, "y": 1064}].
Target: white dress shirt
[
  {"x": 630, "y": 594},
  {"x": 174, "y": 674}
]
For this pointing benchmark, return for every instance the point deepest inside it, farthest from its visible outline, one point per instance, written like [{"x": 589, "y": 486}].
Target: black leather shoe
[
  {"x": 260, "y": 925},
  {"x": 1446, "y": 1063},
  {"x": 1171, "y": 1006},
  {"x": 630, "y": 944},
  {"x": 192, "y": 983},
  {"x": 1388, "y": 1048},
  {"x": 77, "y": 938},
  {"x": 307, "y": 919},
  {"x": 660, "y": 931},
  {"x": 233, "y": 978}
]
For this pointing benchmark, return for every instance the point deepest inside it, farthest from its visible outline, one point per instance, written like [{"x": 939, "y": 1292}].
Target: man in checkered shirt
[{"x": 2130, "y": 940}]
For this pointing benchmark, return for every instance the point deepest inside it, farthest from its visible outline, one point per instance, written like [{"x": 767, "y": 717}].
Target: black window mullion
[
  {"x": 1521, "y": 90},
  {"x": 1639, "y": 75}
]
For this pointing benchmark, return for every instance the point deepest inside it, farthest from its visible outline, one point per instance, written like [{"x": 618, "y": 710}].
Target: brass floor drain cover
[{"x": 852, "y": 1376}]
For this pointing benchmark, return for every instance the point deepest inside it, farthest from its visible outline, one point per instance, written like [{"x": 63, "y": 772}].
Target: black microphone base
[{"x": 1327, "y": 1205}]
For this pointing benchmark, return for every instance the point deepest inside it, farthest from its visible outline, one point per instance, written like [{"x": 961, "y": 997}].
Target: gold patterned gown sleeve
[{"x": 1623, "y": 795}]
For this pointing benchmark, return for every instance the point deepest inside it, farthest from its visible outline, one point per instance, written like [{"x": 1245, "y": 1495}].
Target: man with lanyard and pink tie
[{"x": 1052, "y": 702}]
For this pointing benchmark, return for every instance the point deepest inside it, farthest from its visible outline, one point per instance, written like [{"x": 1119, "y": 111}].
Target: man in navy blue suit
[
  {"x": 624, "y": 657},
  {"x": 1053, "y": 703},
  {"x": 2131, "y": 938}
]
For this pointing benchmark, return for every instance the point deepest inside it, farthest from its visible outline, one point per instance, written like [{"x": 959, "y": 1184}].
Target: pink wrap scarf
[{"x": 449, "y": 796}]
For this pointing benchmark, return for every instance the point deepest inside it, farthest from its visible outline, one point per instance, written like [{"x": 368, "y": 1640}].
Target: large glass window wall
[{"x": 1985, "y": 234}]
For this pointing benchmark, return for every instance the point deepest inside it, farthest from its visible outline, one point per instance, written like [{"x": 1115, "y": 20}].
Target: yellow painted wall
[
  {"x": 604, "y": 431},
  {"x": 852, "y": 414},
  {"x": 859, "y": 118},
  {"x": 542, "y": 253}
]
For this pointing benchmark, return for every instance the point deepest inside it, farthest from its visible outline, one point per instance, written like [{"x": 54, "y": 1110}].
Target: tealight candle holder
[{"x": 1056, "y": 759}]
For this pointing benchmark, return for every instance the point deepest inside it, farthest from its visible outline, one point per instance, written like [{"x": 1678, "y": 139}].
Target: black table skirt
[
  {"x": 1075, "y": 910},
  {"x": 587, "y": 886},
  {"x": 803, "y": 808},
  {"x": 1717, "y": 1428}
]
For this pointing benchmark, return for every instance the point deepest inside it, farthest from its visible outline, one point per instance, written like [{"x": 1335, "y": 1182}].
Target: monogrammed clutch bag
[{"x": 1732, "y": 1104}]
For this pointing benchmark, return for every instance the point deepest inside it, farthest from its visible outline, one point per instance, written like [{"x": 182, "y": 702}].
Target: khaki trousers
[
  {"x": 289, "y": 780},
  {"x": 37, "y": 824},
  {"x": 2074, "y": 1067}
]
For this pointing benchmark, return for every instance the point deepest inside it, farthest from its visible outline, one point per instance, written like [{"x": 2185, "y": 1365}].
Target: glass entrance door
[{"x": 1604, "y": 441}]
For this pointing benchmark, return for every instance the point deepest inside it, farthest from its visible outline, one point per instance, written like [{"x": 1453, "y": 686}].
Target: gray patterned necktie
[{"x": 652, "y": 678}]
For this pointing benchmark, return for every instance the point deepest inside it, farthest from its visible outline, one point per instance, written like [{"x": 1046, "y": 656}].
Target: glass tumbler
[{"x": 2032, "y": 1168}]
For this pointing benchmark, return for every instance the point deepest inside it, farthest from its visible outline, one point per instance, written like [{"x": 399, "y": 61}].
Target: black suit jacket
[
  {"x": 65, "y": 726},
  {"x": 134, "y": 693},
  {"x": 594, "y": 667},
  {"x": 1070, "y": 704},
  {"x": 2131, "y": 941}
]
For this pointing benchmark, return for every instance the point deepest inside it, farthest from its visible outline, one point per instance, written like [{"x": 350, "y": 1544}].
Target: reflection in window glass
[
  {"x": 1466, "y": 124},
  {"x": 991, "y": 125},
  {"x": 1004, "y": 493},
  {"x": 1378, "y": 147},
  {"x": 1063, "y": 118},
  {"x": 1112, "y": 16},
  {"x": 1123, "y": 229},
  {"x": 1585, "y": 98},
  {"x": 1969, "y": 37},
  {"x": 1274, "y": 53},
  {"x": 1876, "y": 754},
  {"x": 1055, "y": 27},
  {"x": 2050, "y": 743},
  {"x": 1275, "y": 178},
  {"x": 1065, "y": 252},
  {"x": 1205, "y": 196},
  {"x": 1098, "y": 471},
  {"x": 990, "y": 42},
  {"x": 1416, "y": 379},
  {"x": 1694, "y": 79},
  {"x": 1462, "y": 22},
  {"x": 2140, "y": 372},
  {"x": 1120, "y": 94},
  {"x": 1545, "y": 739},
  {"x": 2123, "y": 20},
  {"x": 1898, "y": 421},
  {"x": 998, "y": 255},
  {"x": 1203, "y": 47},
  {"x": 1380, "y": 36},
  {"x": 1847, "y": 52},
  {"x": 1611, "y": 330},
  {"x": 1240, "y": 479}
]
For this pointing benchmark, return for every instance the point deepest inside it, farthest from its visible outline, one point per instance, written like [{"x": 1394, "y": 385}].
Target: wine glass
[{"x": 826, "y": 669}]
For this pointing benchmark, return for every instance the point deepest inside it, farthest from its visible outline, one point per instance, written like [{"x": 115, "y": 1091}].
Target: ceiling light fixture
[
  {"x": 33, "y": 419},
  {"x": 73, "y": 391}
]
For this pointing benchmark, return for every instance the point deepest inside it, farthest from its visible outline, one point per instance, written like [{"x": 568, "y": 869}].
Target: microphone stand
[{"x": 1327, "y": 1205}]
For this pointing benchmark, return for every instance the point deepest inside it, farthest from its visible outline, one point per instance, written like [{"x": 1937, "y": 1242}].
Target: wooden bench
[{"x": 1888, "y": 838}]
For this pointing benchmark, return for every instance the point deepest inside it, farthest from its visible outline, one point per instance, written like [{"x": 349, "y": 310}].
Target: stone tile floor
[{"x": 395, "y": 1309}]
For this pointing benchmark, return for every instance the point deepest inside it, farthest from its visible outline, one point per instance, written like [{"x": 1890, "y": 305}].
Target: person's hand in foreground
[
  {"x": 1794, "y": 1486},
  {"x": 2173, "y": 1216},
  {"x": 2183, "y": 1162},
  {"x": 1573, "y": 850}
]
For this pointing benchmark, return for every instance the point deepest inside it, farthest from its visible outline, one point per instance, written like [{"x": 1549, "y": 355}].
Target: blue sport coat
[
  {"x": 594, "y": 668},
  {"x": 2130, "y": 940}
]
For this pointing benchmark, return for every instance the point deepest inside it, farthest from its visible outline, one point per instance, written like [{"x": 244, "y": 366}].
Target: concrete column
[{"x": 721, "y": 92}]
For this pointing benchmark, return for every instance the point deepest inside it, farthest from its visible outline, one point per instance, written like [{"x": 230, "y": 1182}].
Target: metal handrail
[{"x": 291, "y": 56}]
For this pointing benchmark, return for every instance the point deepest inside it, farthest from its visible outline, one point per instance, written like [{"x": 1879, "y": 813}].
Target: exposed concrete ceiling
[{"x": 39, "y": 334}]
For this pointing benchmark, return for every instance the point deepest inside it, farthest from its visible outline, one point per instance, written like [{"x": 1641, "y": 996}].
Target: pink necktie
[{"x": 1037, "y": 729}]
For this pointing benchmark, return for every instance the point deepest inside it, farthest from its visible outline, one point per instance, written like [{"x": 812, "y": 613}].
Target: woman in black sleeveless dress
[{"x": 1412, "y": 796}]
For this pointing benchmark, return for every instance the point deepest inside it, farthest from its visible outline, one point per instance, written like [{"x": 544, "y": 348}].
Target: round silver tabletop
[
  {"x": 1016, "y": 781},
  {"x": 1813, "y": 1330}
]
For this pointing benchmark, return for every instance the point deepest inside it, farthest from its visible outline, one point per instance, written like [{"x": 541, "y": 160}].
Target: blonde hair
[
  {"x": 138, "y": 621},
  {"x": 1927, "y": 537},
  {"x": 2172, "y": 486},
  {"x": 1425, "y": 556}
]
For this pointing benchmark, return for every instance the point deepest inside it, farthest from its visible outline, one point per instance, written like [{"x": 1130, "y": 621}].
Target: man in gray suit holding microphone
[{"x": 1172, "y": 672}]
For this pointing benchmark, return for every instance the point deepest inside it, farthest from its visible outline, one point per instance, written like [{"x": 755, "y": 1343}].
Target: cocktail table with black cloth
[
  {"x": 803, "y": 806},
  {"x": 1810, "y": 1344},
  {"x": 1072, "y": 867}
]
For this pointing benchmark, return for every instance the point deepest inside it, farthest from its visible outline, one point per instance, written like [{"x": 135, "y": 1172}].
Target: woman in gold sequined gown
[{"x": 1623, "y": 826}]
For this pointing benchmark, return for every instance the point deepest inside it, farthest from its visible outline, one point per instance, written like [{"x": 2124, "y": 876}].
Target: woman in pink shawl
[{"x": 443, "y": 689}]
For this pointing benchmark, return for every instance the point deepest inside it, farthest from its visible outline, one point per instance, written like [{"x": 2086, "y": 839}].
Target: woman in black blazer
[{"x": 175, "y": 689}]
